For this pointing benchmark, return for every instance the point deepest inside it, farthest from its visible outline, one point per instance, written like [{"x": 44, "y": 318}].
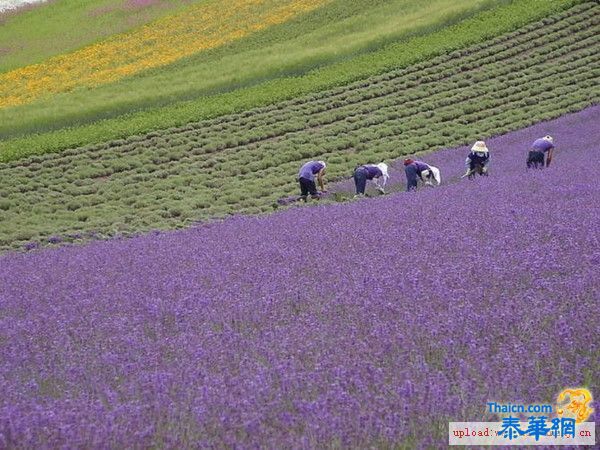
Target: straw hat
[{"x": 479, "y": 146}]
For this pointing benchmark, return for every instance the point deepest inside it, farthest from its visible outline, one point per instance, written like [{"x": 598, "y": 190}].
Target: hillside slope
[
  {"x": 208, "y": 47},
  {"x": 369, "y": 324},
  {"x": 43, "y": 29},
  {"x": 245, "y": 162}
]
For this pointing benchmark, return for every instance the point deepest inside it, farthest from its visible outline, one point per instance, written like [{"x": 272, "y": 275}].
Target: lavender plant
[{"x": 364, "y": 324}]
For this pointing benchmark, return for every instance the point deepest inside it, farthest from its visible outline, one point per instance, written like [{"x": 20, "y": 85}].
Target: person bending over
[
  {"x": 306, "y": 178},
  {"x": 416, "y": 170},
  {"x": 377, "y": 173},
  {"x": 540, "y": 148},
  {"x": 478, "y": 159}
]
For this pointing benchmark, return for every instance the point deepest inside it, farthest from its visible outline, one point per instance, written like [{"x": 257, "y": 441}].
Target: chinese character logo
[
  {"x": 575, "y": 402},
  {"x": 511, "y": 428}
]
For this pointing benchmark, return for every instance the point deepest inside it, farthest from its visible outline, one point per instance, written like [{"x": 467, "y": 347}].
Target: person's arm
[
  {"x": 320, "y": 179},
  {"x": 486, "y": 163},
  {"x": 468, "y": 164},
  {"x": 379, "y": 185},
  {"x": 549, "y": 157}
]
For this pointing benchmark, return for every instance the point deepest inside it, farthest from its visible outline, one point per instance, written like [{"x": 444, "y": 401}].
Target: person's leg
[
  {"x": 535, "y": 160},
  {"x": 360, "y": 181},
  {"x": 540, "y": 160},
  {"x": 303, "y": 188},
  {"x": 312, "y": 189},
  {"x": 530, "y": 160},
  {"x": 478, "y": 170},
  {"x": 411, "y": 178},
  {"x": 472, "y": 170}
]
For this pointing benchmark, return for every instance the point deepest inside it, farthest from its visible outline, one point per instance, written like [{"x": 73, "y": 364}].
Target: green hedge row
[{"x": 471, "y": 31}]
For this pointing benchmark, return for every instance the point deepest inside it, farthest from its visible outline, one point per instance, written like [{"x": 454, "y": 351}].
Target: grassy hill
[
  {"x": 244, "y": 162},
  {"x": 37, "y": 33},
  {"x": 207, "y": 48}
]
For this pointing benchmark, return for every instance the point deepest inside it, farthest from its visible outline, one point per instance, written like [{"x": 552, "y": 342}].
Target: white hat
[
  {"x": 549, "y": 139},
  {"x": 322, "y": 162},
  {"x": 479, "y": 146},
  {"x": 384, "y": 169}
]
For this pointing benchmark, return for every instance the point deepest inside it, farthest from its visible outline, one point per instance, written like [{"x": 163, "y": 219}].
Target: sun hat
[
  {"x": 479, "y": 146},
  {"x": 549, "y": 139},
  {"x": 408, "y": 161},
  {"x": 384, "y": 169}
]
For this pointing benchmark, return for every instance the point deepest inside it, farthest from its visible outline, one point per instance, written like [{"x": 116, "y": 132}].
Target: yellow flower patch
[{"x": 165, "y": 41}]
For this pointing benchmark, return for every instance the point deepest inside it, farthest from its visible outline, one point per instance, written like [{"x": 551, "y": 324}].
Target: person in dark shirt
[{"x": 478, "y": 159}]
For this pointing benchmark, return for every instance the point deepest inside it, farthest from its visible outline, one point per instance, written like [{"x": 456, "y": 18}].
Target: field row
[
  {"x": 371, "y": 97},
  {"x": 160, "y": 43},
  {"x": 441, "y": 76},
  {"x": 174, "y": 57},
  {"x": 200, "y": 171},
  {"x": 223, "y": 336},
  {"x": 414, "y": 77},
  {"x": 56, "y": 126}
]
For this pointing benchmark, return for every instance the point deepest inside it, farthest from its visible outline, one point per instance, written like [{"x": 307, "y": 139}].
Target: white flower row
[{"x": 6, "y": 5}]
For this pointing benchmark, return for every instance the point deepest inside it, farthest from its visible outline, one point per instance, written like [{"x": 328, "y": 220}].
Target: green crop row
[
  {"x": 421, "y": 48},
  {"x": 337, "y": 30},
  {"x": 208, "y": 169},
  {"x": 289, "y": 116}
]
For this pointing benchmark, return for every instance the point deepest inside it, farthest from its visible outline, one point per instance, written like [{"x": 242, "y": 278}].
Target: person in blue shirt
[
  {"x": 306, "y": 178},
  {"x": 377, "y": 173},
  {"x": 540, "y": 148},
  {"x": 478, "y": 159},
  {"x": 419, "y": 170}
]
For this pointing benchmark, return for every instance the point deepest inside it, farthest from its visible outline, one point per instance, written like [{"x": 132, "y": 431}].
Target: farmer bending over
[
  {"x": 372, "y": 172},
  {"x": 540, "y": 147},
  {"x": 418, "y": 169},
  {"x": 306, "y": 178},
  {"x": 478, "y": 160}
]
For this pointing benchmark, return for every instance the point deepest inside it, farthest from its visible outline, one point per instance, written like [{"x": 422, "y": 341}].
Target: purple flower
[{"x": 360, "y": 324}]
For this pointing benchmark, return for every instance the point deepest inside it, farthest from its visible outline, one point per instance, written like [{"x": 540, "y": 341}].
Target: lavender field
[{"x": 368, "y": 323}]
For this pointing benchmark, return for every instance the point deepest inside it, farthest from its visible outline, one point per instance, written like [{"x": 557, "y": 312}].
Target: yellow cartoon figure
[{"x": 579, "y": 400}]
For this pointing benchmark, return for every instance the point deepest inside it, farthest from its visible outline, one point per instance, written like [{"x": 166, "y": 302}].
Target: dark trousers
[
  {"x": 307, "y": 187},
  {"x": 360, "y": 180},
  {"x": 411, "y": 178},
  {"x": 535, "y": 159},
  {"x": 476, "y": 168}
]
